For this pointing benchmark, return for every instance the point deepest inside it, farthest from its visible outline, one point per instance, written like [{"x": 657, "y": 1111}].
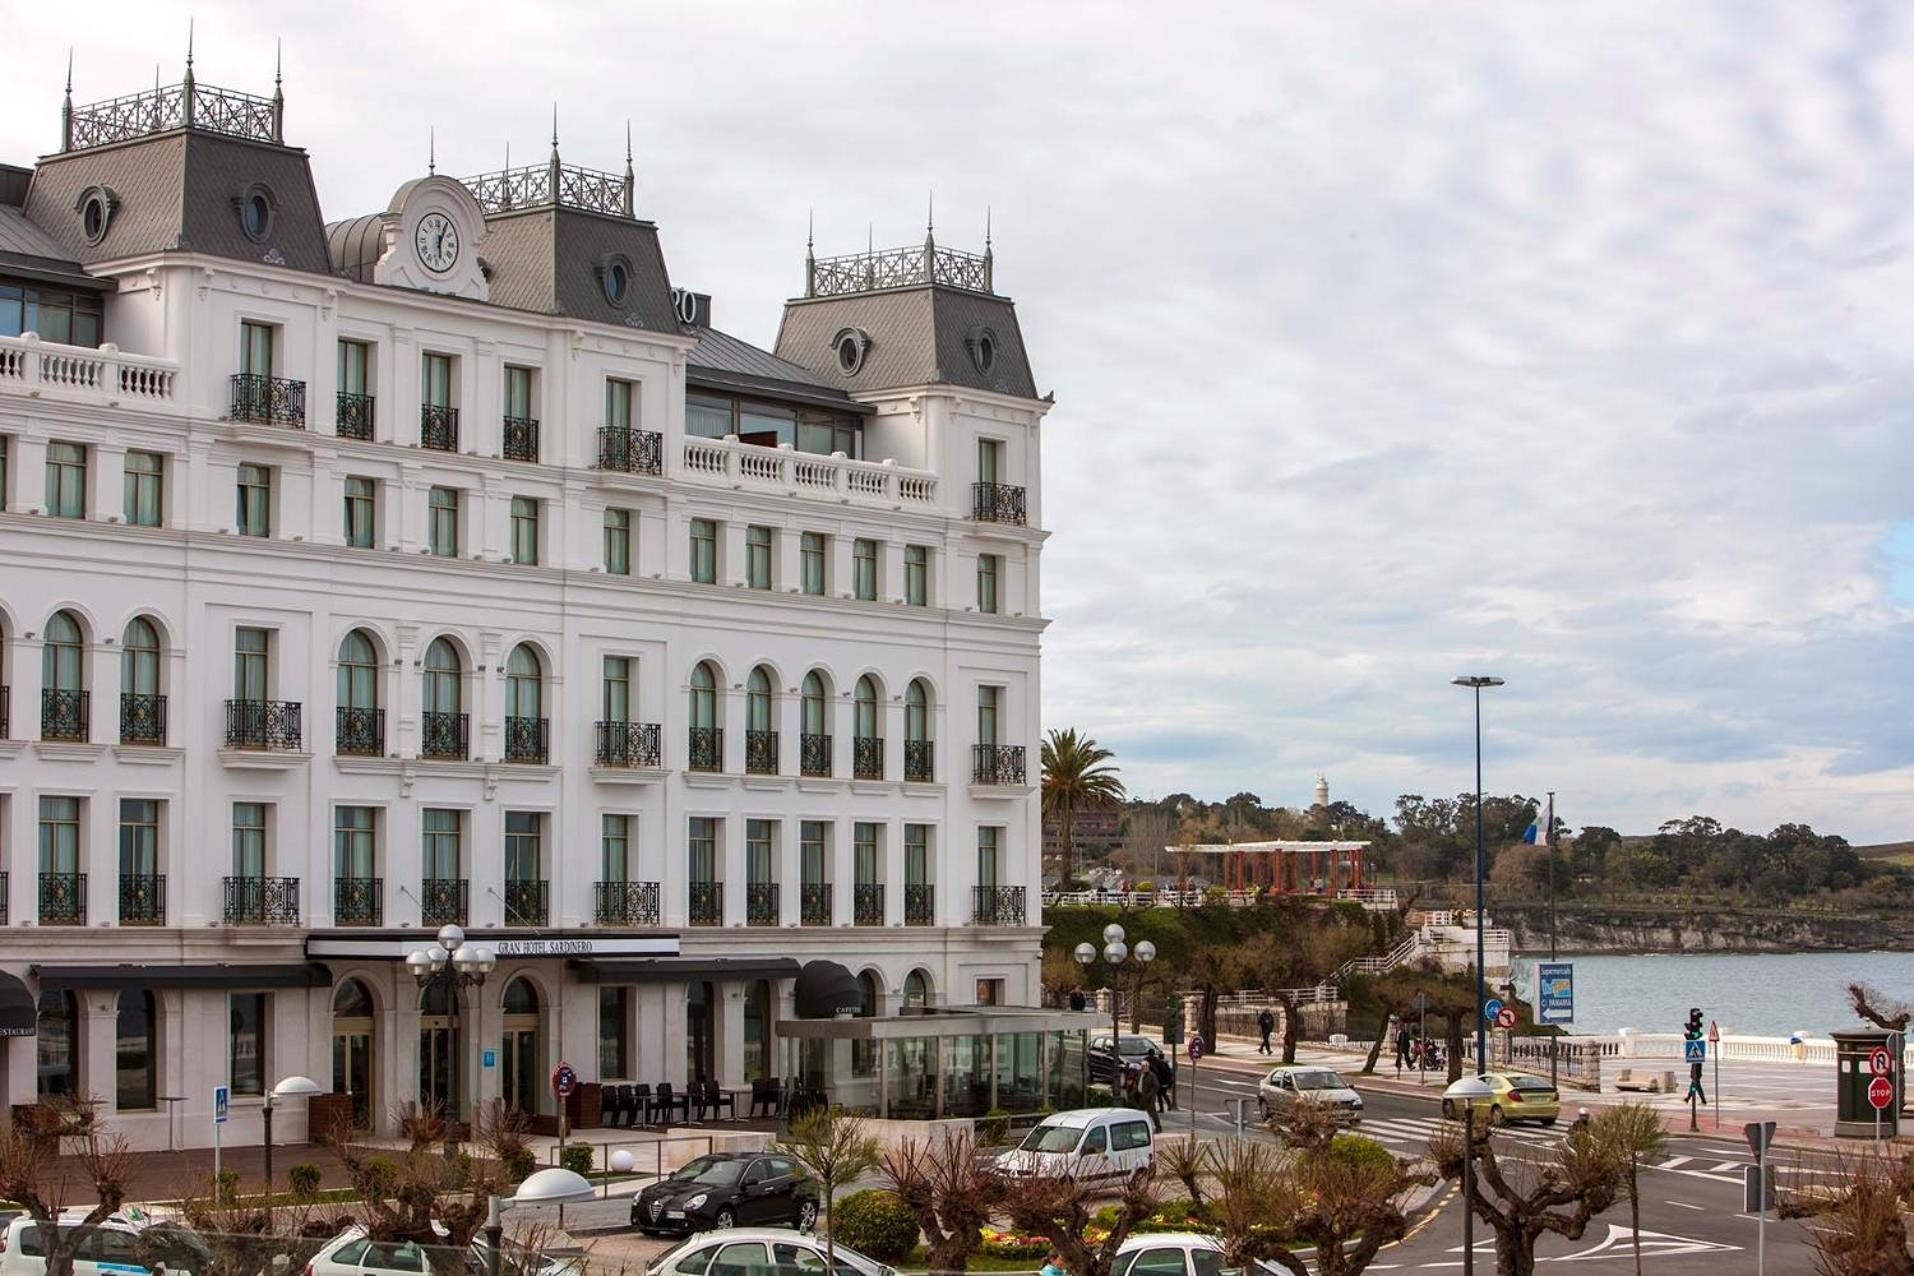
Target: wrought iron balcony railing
[
  {"x": 266, "y": 400},
  {"x": 142, "y": 718},
  {"x": 996, "y": 764},
  {"x": 706, "y": 903},
  {"x": 442, "y": 900},
  {"x": 867, "y": 757},
  {"x": 262, "y": 901},
  {"x": 271, "y": 725},
  {"x": 6, "y": 898},
  {"x": 6, "y": 713},
  {"x": 814, "y": 754},
  {"x": 761, "y": 752},
  {"x": 628, "y": 451},
  {"x": 142, "y": 899},
  {"x": 920, "y": 904},
  {"x": 814, "y": 903},
  {"x": 527, "y": 739},
  {"x": 66, "y": 715},
  {"x": 760, "y": 903},
  {"x": 358, "y": 901},
  {"x": 707, "y": 749},
  {"x": 521, "y": 438},
  {"x": 628, "y": 744},
  {"x": 439, "y": 427},
  {"x": 996, "y": 905},
  {"x": 625, "y": 903},
  {"x": 63, "y": 899},
  {"x": 355, "y": 416},
  {"x": 920, "y": 760},
  {"x": 360, "y": 732},
  {"x": 527, "y": 903},
  {"x": 445, "y": 736},
  {"x": 996, "y": 503},
  {"x": 867, "y": 904}
]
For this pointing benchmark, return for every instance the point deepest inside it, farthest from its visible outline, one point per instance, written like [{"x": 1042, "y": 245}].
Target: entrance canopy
[
  {"x": 658, "y": 970},
  {"x": 19, "y": 1013},
  {"x": 214, "y": 975},
  {"x": 826, "y": 989}
]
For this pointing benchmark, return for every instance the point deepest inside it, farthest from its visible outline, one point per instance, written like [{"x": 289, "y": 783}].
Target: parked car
[
  {"x": 1109, "y": 1056},
  {"x": 1287, "y": 1086},
  {"x": 118, "y": 1246},
  {"x": 726, "y": 1190},
  {"x": 1517, "y": 1096},
  {"x": 1177, "y": 1254},
  {"x": 1088, "y": 1143},
  {"x": 350, "y": 1253},
  {"x": 744, "y": 1251}
]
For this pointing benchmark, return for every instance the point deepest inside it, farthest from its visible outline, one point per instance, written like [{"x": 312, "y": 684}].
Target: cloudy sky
[{"x": 1390, "y": 342}]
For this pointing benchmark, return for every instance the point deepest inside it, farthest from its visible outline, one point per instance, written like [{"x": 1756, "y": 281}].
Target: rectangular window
[
  {"x": 441, "y": 851},
  {"x": 813, "y": 851},
  {"x": 355, "y": 849},
  {"x": 60, "y": 835},
  {"x": 252, "y": 663},
  {"x": 988, "y": 565},
  {"x": 618, "y": 401},
  {"x": 255, "y": 348},
  {"x": 988, "y": 839},
  {"x": 246, "y": 1070},
  {"x": 701, "y": 846},
  {"x": 704, "y": 551},
  {"x": 68, "y": 318},
  {"x": 990, "y": 453},
  {"x": 989, "y": 700},
  {"x": 864, "y": 570},
  {"x": 917, "y": 855},
  {"x": 618, "y": 542},
  {"x": 617, "y": 689},
  {"x": 522, "y": 846},
  {"x": 252, "y": 514},
  {"x": 917, "y": 575},
  {"x": 6, "y": 457},
  {"x": 812, "y": 549},
  {"x": 866, "y": 852},
  {"x": 990, "y": 992},
  {"x": 709, "y": 417},
  {"x": 355, "y": 361},
  {"x": 139, "y": 837},
  {"x": 518, "y": 394},
  {"x": 144, "y": 474},
  {"x": 249, "y": 839},
  {"x": 614, "y": 862},
  {"x": 362, "y": 512},
  {"x": 614, "y": 1017},
  {"x": 435, "y": 388},
  {"x": 525, "y": 531},
  {"x": 442, "y": 522},
  {"x": 757, "y": 557},
  {"x": 66, "y": 480},
  {"x": 758, "y": 852}
]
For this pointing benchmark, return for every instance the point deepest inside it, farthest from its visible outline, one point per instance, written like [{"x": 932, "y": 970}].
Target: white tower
[{"x": 1322, "y": 789}]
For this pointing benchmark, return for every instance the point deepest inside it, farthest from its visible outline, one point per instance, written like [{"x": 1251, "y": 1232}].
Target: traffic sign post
[
  {"x": 1880, "y": 1092},
  {"x": 564, "y": 1081},
  {"x": 222, "y": 1108},
  {"x": 1195, "y": 1049},
  {"x": 1714, "y": 1039},
  {"x": 1760, "y": 1135}
]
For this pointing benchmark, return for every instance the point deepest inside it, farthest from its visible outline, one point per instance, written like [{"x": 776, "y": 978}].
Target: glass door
[{"x": 352, "y": 1073}]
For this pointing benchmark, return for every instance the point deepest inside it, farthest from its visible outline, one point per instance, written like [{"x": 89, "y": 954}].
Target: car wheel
[
  {"x": 726, "y": 1220},
  {"x": 1448, "y": 1109},
  {"x": 806, "y": 1215}
]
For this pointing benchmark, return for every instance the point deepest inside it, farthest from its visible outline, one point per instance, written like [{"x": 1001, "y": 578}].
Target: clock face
[{"x": 437, "y": 241}]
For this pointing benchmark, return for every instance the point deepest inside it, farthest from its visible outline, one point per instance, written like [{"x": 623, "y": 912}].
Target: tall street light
[
  {"x": 1115, "y": 953},
  {"x": 290, "y": 1088},
  {"x": 554, "y": 1186},
  {"x": 1467, "y": 1093},
  {"x": 450, "y": 965},
  {"x": 1476, "y": 682}
]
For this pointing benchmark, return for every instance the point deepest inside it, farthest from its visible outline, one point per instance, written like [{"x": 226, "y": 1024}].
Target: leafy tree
[
  {"x": 837, "y": 1150},
  {"x": 1077, "y": 776},
  {"x": 1637, "y": 1134}
]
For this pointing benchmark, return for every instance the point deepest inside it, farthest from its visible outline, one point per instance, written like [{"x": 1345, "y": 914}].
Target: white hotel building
[{"x": 443, "y": 565}]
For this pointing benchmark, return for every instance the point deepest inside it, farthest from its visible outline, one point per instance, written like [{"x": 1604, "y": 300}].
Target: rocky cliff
[{"x": 1634, "y": 928}]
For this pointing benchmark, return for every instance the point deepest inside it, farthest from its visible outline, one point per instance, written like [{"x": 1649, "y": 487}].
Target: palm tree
[{"x": 1076, "y": 777}]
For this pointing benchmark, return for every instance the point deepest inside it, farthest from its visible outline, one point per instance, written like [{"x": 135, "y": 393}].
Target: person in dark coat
[
  {"x": 1402, "y": 1046},
  {"x": 1165, "y": 1080},
  {"x": 1265, "y": 1024},
  {"x": 1149, "y": 1095}
]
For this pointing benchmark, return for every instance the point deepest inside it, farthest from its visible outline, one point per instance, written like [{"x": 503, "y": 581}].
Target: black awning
[
  {"x": 218, "y": 976},
  {"x": 658, "y": 970},
  {"x": 19, "y": 1012},
  {"x": 824, "y": 988}
]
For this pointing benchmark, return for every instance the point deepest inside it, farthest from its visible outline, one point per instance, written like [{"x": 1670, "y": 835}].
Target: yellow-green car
[{"x": 1517, "y": 1096}]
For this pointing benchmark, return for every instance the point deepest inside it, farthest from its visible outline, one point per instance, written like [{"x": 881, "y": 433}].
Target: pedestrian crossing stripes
[{"x": 1405, "y": 1134}]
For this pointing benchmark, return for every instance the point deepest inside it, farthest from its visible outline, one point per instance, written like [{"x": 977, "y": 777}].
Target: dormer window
[
  {"x": 981, "y": 344},
  {"x": 257, "y": 208},
  {"x": 96, "y": 207},
  {"x": 614, "y": 278},
  {"x": 851, "y": 345}
]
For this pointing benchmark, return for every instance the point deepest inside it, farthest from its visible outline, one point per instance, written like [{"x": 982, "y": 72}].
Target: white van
[
  {"x": 113, "y": 1249},
  {"x": 1088, "y": 1143}
]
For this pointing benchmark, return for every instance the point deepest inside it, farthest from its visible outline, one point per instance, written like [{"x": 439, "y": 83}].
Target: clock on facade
[{"x": 437, "y": 242}]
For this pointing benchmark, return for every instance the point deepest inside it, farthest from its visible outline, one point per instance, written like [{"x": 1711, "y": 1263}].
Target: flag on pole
[{"x": 1543, "y": 824}]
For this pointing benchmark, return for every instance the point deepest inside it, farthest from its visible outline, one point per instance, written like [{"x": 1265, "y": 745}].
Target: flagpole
[{"x": 1548, "y": 845}]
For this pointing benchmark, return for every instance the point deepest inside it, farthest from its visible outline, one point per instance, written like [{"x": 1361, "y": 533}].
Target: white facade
[{"x": 164, "y": 387}]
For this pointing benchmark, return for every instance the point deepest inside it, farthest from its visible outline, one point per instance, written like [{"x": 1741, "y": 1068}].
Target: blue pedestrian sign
[
  {"x": 1555, "y": 992},
  {"x": 1694, "y": 1052},
  {"x": 488, "y": 1059},
  {"x": 1491, "y": 1008},
  {"x": 222, "y": 1103}
]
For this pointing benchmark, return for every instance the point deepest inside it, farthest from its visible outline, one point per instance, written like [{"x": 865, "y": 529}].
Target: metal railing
[
  {"x": 271, "y": 725},
  {"x": 552, "y": 183},
  {"x": 705, "y": 901},
  {"x": 760, "y": 903},
  {"x": 706, "y": 749},
  {"x": 919, "y": 760},
  {"x": 814, "y": 755},
  {"x": 360, "y": 733},
  {"x": 354, "y": 416},
  {"x": 814, "y": 903},
  {"x": 997, "y": 503},
  {"x": 142, "y": 899},
  {"x": 63, "y": 899},
  {"x": 527, "y": 739},
  {"x": 521, "y": 438},
  {"x": 625, "y": 903},
  {"x": 442, "y": 900},
  {"x": 6, "y": 898},
  {"x": 628, "y": 744},
  {"x": 761, "y": 752},
  {"x": 265, "y": 400},
  {"x": 627, "y": 451},
  {"x": 6, "y": 713},
  {"x": 162, "y": 109},
  {"x": 996, "y": 764},
  {"x": 262, "y": 901},
  {"x": 439, "y": 427},
  {"x": 66, "y": 715},
  {"x": 920, "y": 904},
  {"x": 142, "y": 718},
  {"x": 867, "y": 757},
  {"x": 997, "y": 905},
  {"x": 867, "y": 904},
  {"x": 914, "y": 266},
  {"x": 527, "y": 903},
  {"x": 358, "y": 901},
  {"x": 445, "y": 736}
]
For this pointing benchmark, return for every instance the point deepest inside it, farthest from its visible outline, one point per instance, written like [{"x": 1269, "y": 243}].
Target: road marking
[
  {"x": 1673, "y": 1162},
  {"x": 1725, "y": 1166},
  {"x": 1686, "y": 1206}
]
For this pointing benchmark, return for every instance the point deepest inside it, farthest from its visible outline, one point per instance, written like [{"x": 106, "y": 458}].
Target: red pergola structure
[{"x": 1285, "y": 868}]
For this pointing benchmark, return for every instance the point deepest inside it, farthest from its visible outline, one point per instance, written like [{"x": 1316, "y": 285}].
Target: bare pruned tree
[
  {"x": 953, "y": 1196},
  {"x": 55, "y": 1155},
  {"x": 1059, "y": 1209},
  {"x": 1879, "y": 1009},
  {"x": 1855, "y": 1206}
]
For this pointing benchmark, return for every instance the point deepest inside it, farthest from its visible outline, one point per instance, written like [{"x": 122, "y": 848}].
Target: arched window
[
  {"x": 864, "y": 1053},
  {"x": 358, "y": 672},
  {"x": 757, "y": 702},
  {"x": 352, "y": 1049},
  {"x": 63, "y": 707},
  {"x": 524, "y": 684},
  {"x": 444, "y": 676},
  {"x": 521, "y": 998},
  {"x": 520, "y": 1047},
  {"x": 133, "y": 1052},
  {"x": 916, "y": 990},
  {"x": 814, "y": 705},
  {"x": 704, "y": 697},
  {"x": 350, "y": 1000},
  {"x": 867, "y": 701},
  {"x": 140, "y": 658},
  {"x": 57, "y": 1046},
  {"x": 917, "y": 712}
]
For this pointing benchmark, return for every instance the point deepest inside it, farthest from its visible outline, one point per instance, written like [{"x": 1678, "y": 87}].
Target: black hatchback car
[{"x": 728, "y": 1189}]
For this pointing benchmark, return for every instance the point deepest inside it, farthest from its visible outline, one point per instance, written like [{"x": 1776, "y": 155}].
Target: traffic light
[{"x": 1693, "y": 1031}]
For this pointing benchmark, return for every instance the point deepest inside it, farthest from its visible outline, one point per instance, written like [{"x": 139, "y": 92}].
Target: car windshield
[
  {"x": 1323, "y": 1080},
  {"x": 715, "y": 1170},
  {"x": 1134, "y": 1045},
  {"x": 1051, "y": 1138}
]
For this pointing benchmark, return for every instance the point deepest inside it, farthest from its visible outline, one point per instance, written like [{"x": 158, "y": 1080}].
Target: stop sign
[{"x": 1880, "y": 1092}]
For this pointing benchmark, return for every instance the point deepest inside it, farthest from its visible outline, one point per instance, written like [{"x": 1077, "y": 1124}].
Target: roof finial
[
  {"x": 810, "y": 258},
  {"x": 69, "y": 73},
  {"x": 278, "y": 95},
  {"x": 189, "y": 48},
  {"x": 870, "y": 237},
  {"x": 66, "y": 108},
  {"x": 431, "y": 150},
  {"x": 630, "y": 204},
  {"x": 930, "y": 213},
  {"x": 990, "y": 260},
  {"x": 810, "y": 230},
  {"x": 278, "y": 61},
  {"x": 188, "y": 107},
  {"x": 930, "y": 240},
  {"x": 627, "y": 143},
  {"x": 986, "y": 228},
  {"x": 554, "y": 130}
]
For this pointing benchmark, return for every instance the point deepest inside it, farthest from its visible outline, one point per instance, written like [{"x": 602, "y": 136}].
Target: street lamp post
[
  {"x": 1466, "y": 1092},
  {"x": 1476, "y": 682},
  {"x": 290, "y": 1088},
  {"x": 449, "y": 965},
  {"x": 554, "y": 1186},
  {"x": 1115, "y": 952}
]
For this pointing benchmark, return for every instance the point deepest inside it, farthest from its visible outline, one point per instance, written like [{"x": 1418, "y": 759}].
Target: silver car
[{"x": 1306, "y": 1083}]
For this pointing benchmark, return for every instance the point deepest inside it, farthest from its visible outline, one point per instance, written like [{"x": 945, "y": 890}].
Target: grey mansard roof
[
  {"x": 917, "y": 334},
  {"x": 723, "y": 362}
]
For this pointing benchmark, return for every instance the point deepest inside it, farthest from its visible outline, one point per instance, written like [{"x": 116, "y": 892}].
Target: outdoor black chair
[
  {"x": 638, "y": 1104},
  {"x": 764, "y": 1097},
  {"x": 666, "y": 1102},
  {"x": 608, "y": 1104},
  {"x": 718, "y": 1102}
]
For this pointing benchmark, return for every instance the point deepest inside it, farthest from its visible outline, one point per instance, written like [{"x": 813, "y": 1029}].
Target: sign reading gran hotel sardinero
[{"x": 505, "y": 945}]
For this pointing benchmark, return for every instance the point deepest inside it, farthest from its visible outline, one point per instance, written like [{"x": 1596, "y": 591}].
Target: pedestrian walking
[
  {"x": 1077, "y": 1000},
  {"x": 1149, "y": 1095},
  {"x": 1402, "y": 1047},
  {"x": 1265, "y": 1024},
  {"x": 1165, "y": 1080}
]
